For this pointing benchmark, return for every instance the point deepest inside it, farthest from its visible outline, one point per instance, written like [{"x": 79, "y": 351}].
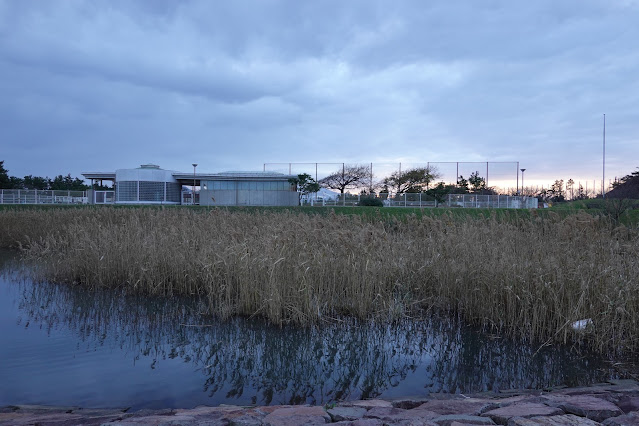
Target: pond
[{"x": 62, "y": 345}]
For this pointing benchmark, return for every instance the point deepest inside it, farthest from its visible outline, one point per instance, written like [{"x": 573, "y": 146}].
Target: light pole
[
  {"x": 194, "y": 166},
  {"x": 522, "y": 181}
]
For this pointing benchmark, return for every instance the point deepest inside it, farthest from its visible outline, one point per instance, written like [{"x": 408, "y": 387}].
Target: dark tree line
[
  {"x": 626, "y": 187},
  {"x": 59, "y": 182}
]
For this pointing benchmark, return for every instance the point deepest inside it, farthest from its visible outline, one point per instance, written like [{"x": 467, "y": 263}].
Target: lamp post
[
  {"x": 193, "y": 200},
  {"x": 522, "y": 180}
]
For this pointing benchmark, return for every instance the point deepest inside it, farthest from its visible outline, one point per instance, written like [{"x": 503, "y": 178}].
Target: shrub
[{"x": 371, "y": 202}]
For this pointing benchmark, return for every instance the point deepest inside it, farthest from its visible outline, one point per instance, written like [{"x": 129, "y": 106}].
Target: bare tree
[{"x": 349, "y": 177}]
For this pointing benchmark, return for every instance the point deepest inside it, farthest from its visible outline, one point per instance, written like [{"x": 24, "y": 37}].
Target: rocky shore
[{"x": 613, "y": 403}]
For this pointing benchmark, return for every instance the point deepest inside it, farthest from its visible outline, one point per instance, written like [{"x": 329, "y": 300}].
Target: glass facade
[
  {"x": 248, "y": 185},
  {"x": 144, "y": 191},
  {"x": 152, "y": 191},
  {"x": 173, "y": 191},
  {"x": 127, "y": 191}
]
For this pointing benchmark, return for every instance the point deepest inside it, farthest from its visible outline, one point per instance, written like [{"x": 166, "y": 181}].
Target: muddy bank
[{"x": 612, "y": 403}]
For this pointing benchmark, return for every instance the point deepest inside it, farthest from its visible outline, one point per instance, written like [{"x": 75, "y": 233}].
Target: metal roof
[
  {"x": 99, "y": 175},
  {"x": 181, "y": 176},
  {"x": 233, "y": 176}
]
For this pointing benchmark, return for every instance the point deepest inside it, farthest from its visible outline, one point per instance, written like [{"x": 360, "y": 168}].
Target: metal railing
[
  {"x": 35, "y": 196},
  {"x": 104, "y": 197},
  {"x": 189, "y": 200},
  {"x": 424, "y": 201}
]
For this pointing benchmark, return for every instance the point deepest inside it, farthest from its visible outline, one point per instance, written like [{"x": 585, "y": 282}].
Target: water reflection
[{"x": 244, "y": 361}]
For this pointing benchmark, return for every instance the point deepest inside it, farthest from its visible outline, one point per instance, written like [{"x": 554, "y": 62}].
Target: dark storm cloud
[{"x": 103, "y": 85}]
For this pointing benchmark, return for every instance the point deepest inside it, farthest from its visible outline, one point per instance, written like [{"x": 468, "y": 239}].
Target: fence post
[
  {"x": 405, "y": 200},
  {"x": 420, "y": 200}
]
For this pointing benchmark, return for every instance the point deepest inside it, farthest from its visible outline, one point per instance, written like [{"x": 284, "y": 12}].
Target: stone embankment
[{"x": 615, "y": 403}]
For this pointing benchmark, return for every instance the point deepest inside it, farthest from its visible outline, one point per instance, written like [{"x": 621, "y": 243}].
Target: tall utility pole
[
  {"x": 603, "y": 181},
  {"x": 522, "y": 180}
]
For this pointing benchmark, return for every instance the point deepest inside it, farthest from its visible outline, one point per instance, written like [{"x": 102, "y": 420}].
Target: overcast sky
[{"x": 101, "y": 85}]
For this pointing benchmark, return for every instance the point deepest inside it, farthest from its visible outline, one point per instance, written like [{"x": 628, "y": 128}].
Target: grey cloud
[{"x": 236, "y": 84}]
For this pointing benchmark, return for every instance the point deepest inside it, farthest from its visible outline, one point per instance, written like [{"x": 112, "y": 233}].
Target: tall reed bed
[{"x": 531, "y": 277}]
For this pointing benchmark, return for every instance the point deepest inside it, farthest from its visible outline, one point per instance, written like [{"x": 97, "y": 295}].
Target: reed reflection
[{"x": 248, "y": 361}]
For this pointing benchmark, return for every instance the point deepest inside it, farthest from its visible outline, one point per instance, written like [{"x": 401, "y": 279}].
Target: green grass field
[{"x": 596, "y": 207}]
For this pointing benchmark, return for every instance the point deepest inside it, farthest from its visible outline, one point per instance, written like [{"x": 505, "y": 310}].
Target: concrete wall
[{"x": 247, "y": 197}]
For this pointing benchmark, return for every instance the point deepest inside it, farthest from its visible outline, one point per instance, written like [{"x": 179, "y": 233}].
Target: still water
[{"x": 61, "y": 345}]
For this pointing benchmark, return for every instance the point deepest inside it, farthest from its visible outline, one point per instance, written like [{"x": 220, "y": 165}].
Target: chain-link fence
[{"x": 34, "y": 196}]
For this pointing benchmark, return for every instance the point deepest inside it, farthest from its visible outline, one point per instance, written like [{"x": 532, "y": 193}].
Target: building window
[{"x": 261, "y": 185}]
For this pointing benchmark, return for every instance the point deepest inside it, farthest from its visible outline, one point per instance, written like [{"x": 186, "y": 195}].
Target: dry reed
[{"x": 531, "y": 277}]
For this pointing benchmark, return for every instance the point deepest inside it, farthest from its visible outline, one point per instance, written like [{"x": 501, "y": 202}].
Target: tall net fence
[{"x": 502, "y": 176}]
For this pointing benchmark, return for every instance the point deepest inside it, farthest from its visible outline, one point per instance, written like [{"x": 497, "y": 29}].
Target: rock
[
  {"x": 149, "y": 412},
  {"x": 268, "y": 409},
  {"x": 463, "y": 419},
  {"x": 366, "y": 422},
  {"x": 165, "y": 421},
  {"x": 383, "y": 412},
  {"x": 521, "y": 409},
  {"x": 18, "y": 419},
  {"x": 368, "y": 403},
  {"x": 408, "y": 403},
  {"x": 537, "y": 399},
  {"x": 44, "y": 408},
  {"x": 624, "y": 383},
  {"x": 592, "y": 407},
  {"x": 346, "y": 413},
  {"x": 245, "y": 420},
  {"x": 246, "y": 417},
  {"x": 471, "y": 406},
  {"x": 564, "y": 420},
  {"x": 294, "y": 416},
  {"x": 416, "y": 416},
  {"x": 628, "y": 403},
  {"x": 630, "y": 419},
  {"x": 591, "y": 390}
]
